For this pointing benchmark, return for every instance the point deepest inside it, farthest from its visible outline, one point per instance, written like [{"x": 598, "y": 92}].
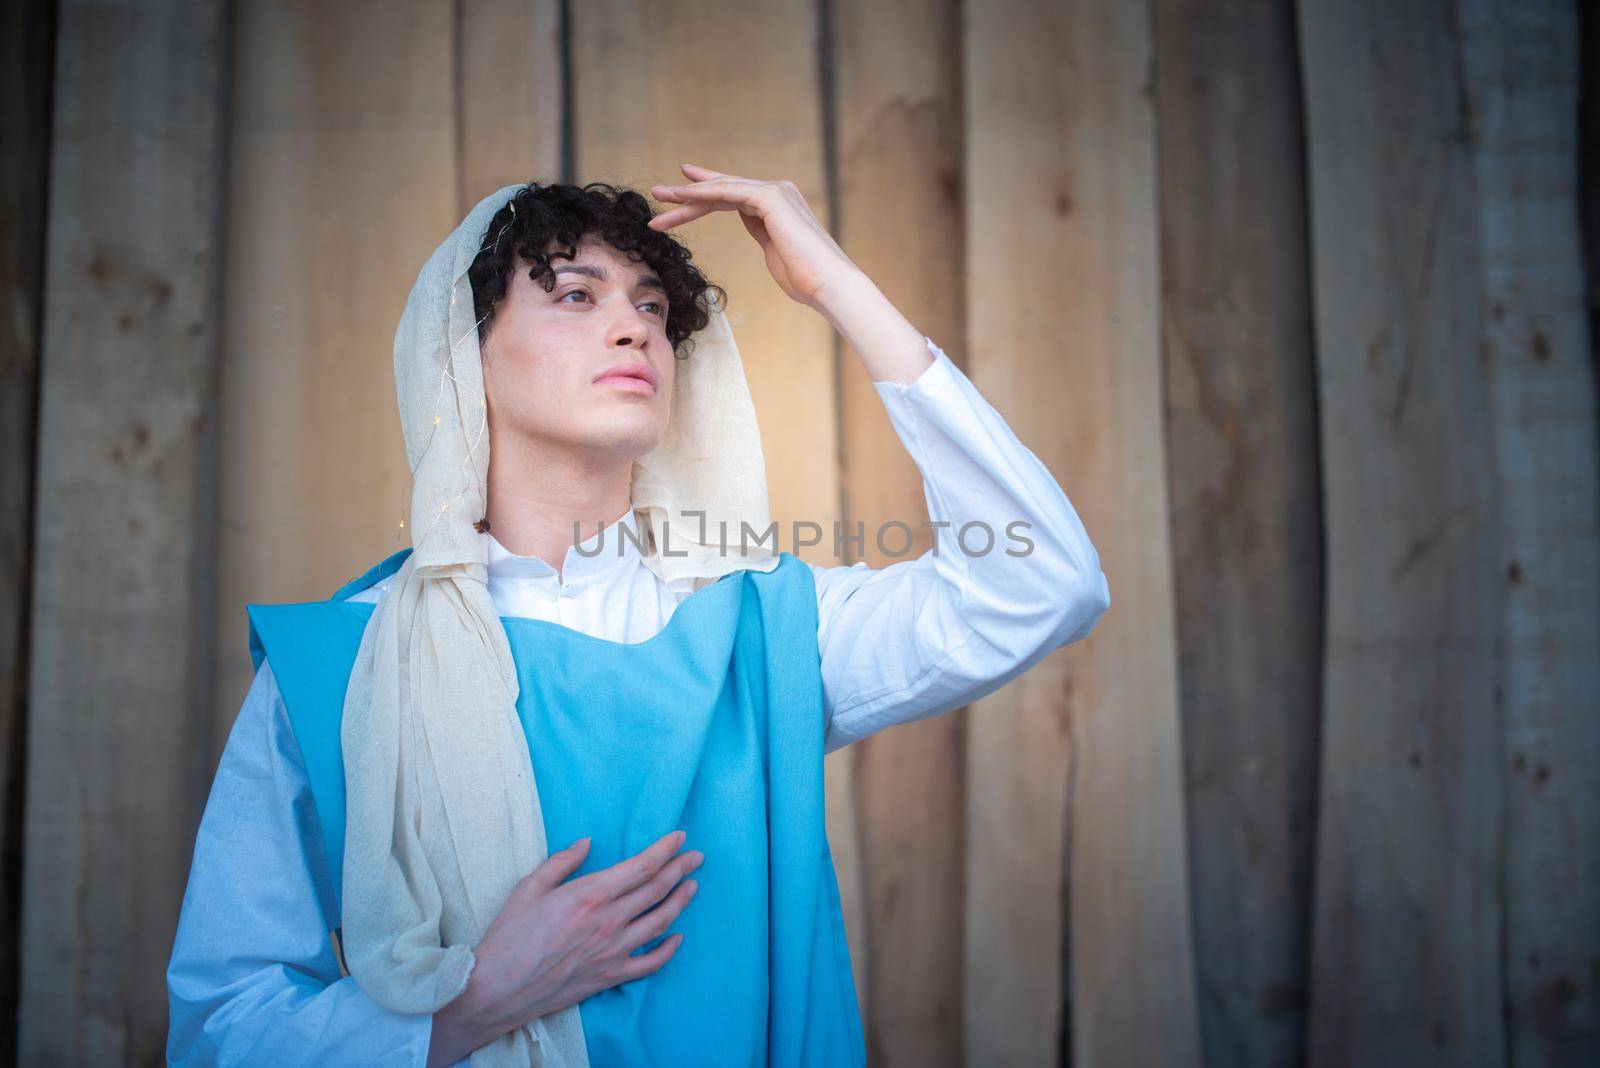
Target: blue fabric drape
[{"x": 714, "y": 725}]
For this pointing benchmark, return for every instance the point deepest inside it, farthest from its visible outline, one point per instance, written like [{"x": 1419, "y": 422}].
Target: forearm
[{"x": 890, "y": 347}]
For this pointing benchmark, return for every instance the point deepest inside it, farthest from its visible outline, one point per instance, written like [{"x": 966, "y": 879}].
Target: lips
[{"x": 633, "y": 371}]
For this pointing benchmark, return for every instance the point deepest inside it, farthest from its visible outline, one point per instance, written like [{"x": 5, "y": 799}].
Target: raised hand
[{"x": 803, "y": 257}]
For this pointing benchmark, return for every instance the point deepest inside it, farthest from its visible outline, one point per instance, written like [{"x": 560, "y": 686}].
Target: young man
[{"x": 508, "y": 681}]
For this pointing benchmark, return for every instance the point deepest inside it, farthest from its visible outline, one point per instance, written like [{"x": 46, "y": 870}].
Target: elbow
[
  {"x": 1060, "y": 610},
  {"x": 1080, "y": 592},
  {"x": 1053, "y": 600},
  {"x": 1080, "y": 612}
]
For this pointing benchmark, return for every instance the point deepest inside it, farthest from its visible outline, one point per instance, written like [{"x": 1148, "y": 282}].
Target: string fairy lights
[{"x": 446, "y": 374}]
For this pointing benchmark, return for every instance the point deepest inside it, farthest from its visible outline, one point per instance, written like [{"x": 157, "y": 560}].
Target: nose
[{"x": 630, "y": 329}]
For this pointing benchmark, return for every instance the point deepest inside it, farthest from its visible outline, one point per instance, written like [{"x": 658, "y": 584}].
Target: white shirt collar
[{"x": 612, "y": 547}]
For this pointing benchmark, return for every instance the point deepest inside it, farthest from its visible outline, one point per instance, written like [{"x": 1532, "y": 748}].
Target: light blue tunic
[{"x": 714, "y": 725}]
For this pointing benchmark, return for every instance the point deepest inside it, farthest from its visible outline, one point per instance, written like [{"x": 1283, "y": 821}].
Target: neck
[{"x": 539, "y": 490}]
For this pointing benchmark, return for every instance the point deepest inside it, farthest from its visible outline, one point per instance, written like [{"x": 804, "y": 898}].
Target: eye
[
  {"x": 570, "y": 292},
  {"x": 661, "y": 309}
]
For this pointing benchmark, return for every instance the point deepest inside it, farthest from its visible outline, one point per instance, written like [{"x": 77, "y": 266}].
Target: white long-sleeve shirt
[{"x": 253, "y": 977}]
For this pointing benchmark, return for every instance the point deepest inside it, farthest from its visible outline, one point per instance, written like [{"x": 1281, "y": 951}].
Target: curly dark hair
[{"x": 565, "y": 214}]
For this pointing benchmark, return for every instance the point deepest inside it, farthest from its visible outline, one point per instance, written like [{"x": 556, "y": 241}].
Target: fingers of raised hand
[
  {"x": 716, "y": 191},
  {"x": 728, "y": 192},
  {"x": 701, "y": 174},
  {"x": 678, "y": 216},
  {"x": 695, "y": 171}
]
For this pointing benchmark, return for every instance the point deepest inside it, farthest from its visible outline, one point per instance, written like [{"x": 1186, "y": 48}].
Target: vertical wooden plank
[
  {"x": 1075, "y": 769},
  {"x": 1406, "y": 958},
  {"x": 898, "y": 126},
  {"x": 27, "y": 54},
  {"x": 509, "y": 71},
  {"x": 1588, "y": 31},
  {"x": 730, "y": 88},
  {"x": 343, "y": 179},
  {"x": 1520, "y": 72},
  {"x": 1246, "y": 500},
  {"x": 120, "y": 649}
]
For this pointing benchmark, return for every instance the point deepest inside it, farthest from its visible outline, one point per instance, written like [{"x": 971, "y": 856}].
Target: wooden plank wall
[
  {"x": 27, "y": 52},
  {"x": 898, "y": 191},
  {"x": 120, "y": 657},
  {"x": 1075, "y": 790},
  {"x": 1288, "y": 296},
  {"x": 342, "y": 180},
  {"x": 1409, "y": 914},
  {"x": 1246, "y": 508},
  {"x": 512, "y": 114},
  {"x": 1519, "y": 68}
]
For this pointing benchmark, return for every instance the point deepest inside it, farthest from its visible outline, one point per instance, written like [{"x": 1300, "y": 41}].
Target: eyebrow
[{"x": 648, "y": 281}]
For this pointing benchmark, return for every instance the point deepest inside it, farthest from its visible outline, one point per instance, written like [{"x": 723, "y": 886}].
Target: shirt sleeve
[
  {"x": 253, "y": 977},
  {"x": 920, "y": 637}
]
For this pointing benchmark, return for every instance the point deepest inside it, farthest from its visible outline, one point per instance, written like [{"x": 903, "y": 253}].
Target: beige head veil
[{"x": 443, "y": 814}]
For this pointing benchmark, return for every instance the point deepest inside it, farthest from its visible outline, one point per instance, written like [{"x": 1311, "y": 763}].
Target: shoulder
[
  {"x": 373, "y": 593},
  {"x": 838, "y": 582},
  {"x": 835, "y": 585},
  {"x": 370, "y": 586}
]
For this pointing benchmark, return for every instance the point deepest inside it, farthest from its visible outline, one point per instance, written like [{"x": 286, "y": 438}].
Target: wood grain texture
[
  {"x": 26, "y": 71},
  {"x": 1408, "y": 910},
  {"x": 1246, "y": 504},
  {"x": 27, "y": 51},
  {"x": 509, "y": 70},
  {"x": 1075, "y": 772},
  {"x": 122, "y": 569},
  {"x": 342, "y": 181},
  {"x": 898, "y": 128},
  {"x": 735, "y": 88},
  {"x": 1520, "y": 69}
]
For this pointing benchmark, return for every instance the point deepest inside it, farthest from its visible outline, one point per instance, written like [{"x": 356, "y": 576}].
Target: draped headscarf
[{"x": 443, "y": 814}]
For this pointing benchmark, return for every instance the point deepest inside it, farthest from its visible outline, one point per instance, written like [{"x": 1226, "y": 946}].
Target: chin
[{"x": 634, "y": 437}]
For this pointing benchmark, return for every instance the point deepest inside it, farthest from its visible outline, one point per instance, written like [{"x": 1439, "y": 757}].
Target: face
[{"x": 548, "y": 354}]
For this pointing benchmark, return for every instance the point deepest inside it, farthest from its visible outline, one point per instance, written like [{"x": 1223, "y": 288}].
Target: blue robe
[{"x": 714, "y": 725}]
